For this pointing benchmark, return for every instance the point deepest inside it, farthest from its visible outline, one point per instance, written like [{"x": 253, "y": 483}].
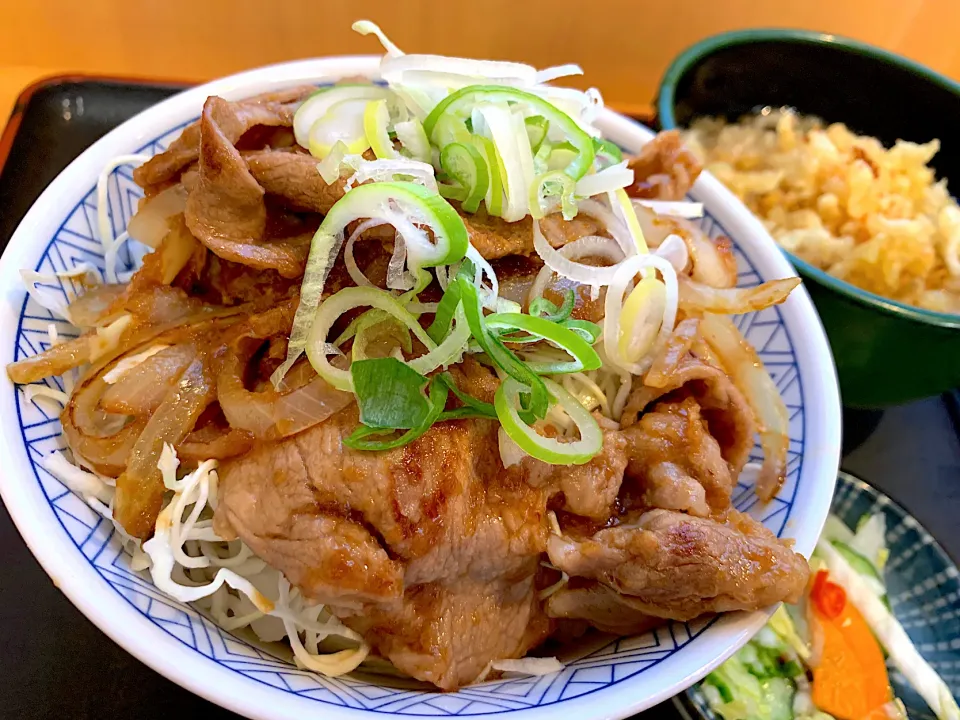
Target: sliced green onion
[
  {"x": 589, "y": 331},
  {"x": 466, "y": 98},
  {"x": 351, "y": 330},
  {"x": 607, "y": 153},
  {"x": 329, "y": 167},
  {"x": 606, "y": 180},
  {"x": 449, "y": 129},
  {"x": 537, "y": 126},
  {"x": 413, "y": 139},
  {"x": 376, "y": 121},
  {"x": 399, "y": 169},
  {"x": 499, "y": 354},
  {"x": 551, "y": 184},
  {"x": 342, "y": 123},
  {"x": 623, "y": 209},
  {"x": 358, "y": 440},
  {"x": 560, "y": 156},
  {"x": 472, "y": 407},
  {"x": 513, "y": 151},
  {"x": 494, "y": 197},
  {"x": 440, "y": 327},
  {"x": 320, "y": 103},
  {"x": 389, "y": 394},
  {"x": 464, "y": 163},
  {"x": 334, "y": 307},
  {"x": 541, "y": 307},
  {"x": 640, "y": 319},
  {"x": 585, "y": 358},
  {"x": 375, "y": 325},
  {"x": 392, "y": 202},
  {"x": 550, "y": 450}
]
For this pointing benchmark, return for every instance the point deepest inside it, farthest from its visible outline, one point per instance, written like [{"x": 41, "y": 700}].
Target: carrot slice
[{"x": 850, "y": 680}]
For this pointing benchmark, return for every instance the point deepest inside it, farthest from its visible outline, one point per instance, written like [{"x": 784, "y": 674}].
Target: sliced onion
[
  {"x": 611, "y": 223},
  {"x": 414, "y": 140},
  {"x": 353, "y": 270},
  {"x": 680, "y": 209},
  {"x": 151, "y": 223},
  {"x": 386, "y": 170},
  {"x": 558, "y": 71},
  {"x": 88, "y": 309},
  {"x": 347, "y": 299},
  {"x": 698, "y": 297},
  {"x": 489, "y": 295},
  {"x": 674, "y": 250},
  {"x": 712, "y": 260},
  {"x": 613, "y": 307},
  {"x": 607, "y": 180},
  {"x": 270, "y": 415},
  {"x": 130, "y": 362},
  {"x": 751, "y": 377},
  {"x": 513, "y": 146},
  {"x": 138, "y": 389},
  {"x": 558, "y": 262},
  {"x": 140, "y": 488},
  {"x": 343, "y": 122}
]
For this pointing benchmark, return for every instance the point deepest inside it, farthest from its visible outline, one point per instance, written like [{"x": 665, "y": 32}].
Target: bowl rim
[
  {"x": 117, "y": 619},
  {"x": 682, "y": 63}
]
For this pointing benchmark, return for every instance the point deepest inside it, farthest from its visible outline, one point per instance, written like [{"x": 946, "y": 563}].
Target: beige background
[{"x": 623, "y": 45}]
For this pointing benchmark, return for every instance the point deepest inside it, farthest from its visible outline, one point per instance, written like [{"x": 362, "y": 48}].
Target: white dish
[{"x": 76, "y": 549}]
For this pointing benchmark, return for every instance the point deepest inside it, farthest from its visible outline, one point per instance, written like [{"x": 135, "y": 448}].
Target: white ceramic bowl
[{"x": 79, "y": 551}]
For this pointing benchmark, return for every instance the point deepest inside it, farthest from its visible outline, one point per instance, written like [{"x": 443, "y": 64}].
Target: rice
[{"x": 874, "y": 217}]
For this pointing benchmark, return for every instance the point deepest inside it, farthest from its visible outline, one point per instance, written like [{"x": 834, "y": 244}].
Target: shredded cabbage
[
  {"x": 48, "y": 292},
  {"x": 189, "y": 562}
]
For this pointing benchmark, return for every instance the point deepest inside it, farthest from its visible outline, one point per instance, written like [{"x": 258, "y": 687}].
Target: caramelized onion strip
[{"x": 746, "y": 370}]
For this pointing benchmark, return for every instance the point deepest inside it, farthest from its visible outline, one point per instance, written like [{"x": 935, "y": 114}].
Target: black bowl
[{"x": 886, "y": 352}]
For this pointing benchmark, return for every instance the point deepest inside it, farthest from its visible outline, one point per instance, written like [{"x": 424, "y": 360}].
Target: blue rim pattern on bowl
[
  {"x": 76, "y": 241},
  {"x": 924, "y": 591}
]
